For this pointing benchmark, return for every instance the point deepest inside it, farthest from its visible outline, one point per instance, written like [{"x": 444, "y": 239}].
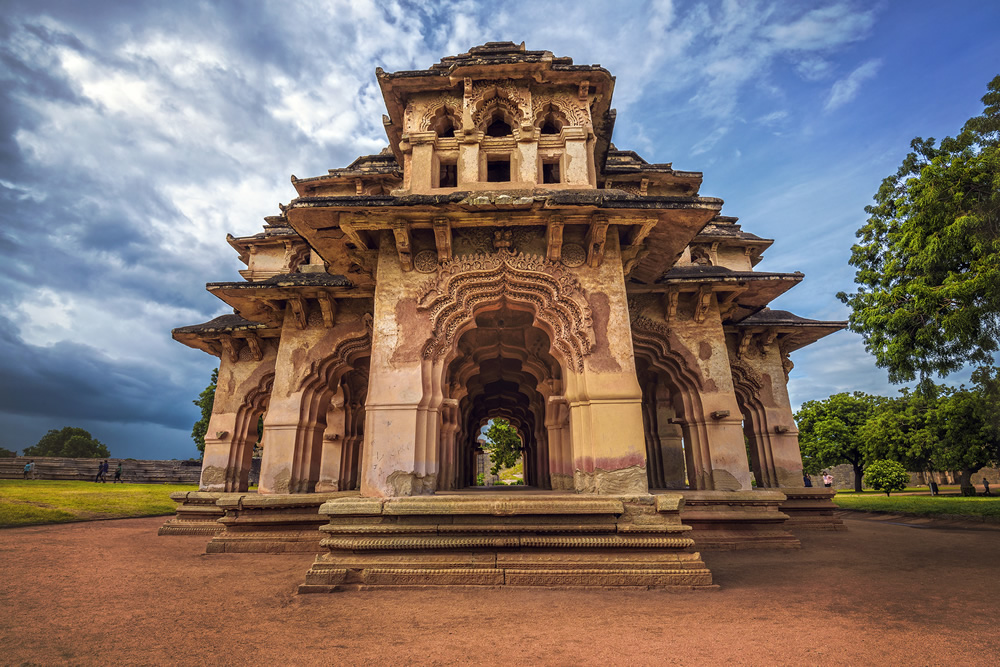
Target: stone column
[
  {"x": 717, "y": 428},
  {"x": 421, "y": 160},
  {"x": 527, "y": 147},
  {"x": 391, "y": 464},
  {"x": 671, "y": 438},
  {"x": 468, "y": 158},
  {"x": 777, "y": 432},
  {"x": 333, "y": 443},
  {"x": 605, "y": 401},
  {"x": 576, "y": 161}
]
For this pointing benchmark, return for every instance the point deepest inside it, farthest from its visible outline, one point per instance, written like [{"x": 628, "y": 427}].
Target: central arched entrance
[{"x": 500, "y": 368}]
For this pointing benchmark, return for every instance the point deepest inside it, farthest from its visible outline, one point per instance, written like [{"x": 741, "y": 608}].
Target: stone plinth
[
  {"x": 737, "y": 520},
  {"x": 283, "y": 523},
  {"x": 497, "y": 540},
  {"x": 811, "y": 508},
  {"x": 197, "y": 514}
]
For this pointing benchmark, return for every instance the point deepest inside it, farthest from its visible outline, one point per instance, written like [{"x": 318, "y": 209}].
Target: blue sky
[{"x": 134, "y": 136}]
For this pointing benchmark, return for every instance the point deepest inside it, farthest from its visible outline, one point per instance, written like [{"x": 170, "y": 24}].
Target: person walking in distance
[
  {"x": 102, "y": 469},
  {"x": 29, "y": 469},
  {"x": 118, "y": 474}
]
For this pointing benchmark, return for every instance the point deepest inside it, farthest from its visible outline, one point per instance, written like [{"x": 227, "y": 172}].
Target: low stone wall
[
  {"x": 843, "y": 477},
  {"x": 143, "y": 472}
]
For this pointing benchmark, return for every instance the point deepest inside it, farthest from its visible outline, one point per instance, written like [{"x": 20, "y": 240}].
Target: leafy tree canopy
[
  {"x": 71, "y": 442},
  {"x": 928, "y": 258},
  {"x": 206, "y": 401},
  {"x": 830, "y": 432},
  {"x": 6, "y": 453},
  {"x": 504, "y": 445},
  {"x": 965, "y": 428},
  {"x": 937, "y": 428},
  {"x": 888, "y": 476}
]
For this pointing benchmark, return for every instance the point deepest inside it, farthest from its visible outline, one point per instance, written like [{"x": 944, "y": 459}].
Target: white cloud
[
  {"x": 846, "y": 89},
  {"x": 709, "y": 142},
  {"x": 773, "y": 118}
]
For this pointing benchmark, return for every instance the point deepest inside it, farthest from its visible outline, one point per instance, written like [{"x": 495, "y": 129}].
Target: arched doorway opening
[
  {"x": 245, "y": 435},
  {"x": 673, "y": 416},
  {"x": 501, "y": 367}
]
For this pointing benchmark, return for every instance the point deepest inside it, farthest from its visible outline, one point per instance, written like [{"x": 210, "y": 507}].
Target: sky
[{"x": 135, "y": 135}]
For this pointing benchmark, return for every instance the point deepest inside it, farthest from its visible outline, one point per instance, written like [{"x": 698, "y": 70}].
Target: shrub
[{"x": 886, "y": 476}]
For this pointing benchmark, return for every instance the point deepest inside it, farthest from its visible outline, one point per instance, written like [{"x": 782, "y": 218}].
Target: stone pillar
[
  {"x": 776, "y": 430},
  {"x": 527, "y": 147},
  {"x": 576, "y": 160},
  {"x": 333, "y": 443},
  {"x": 671, "y": 439},
  {"x": 421, "y": 160},
  {"x": 468, "y": 158},
  {"x": 560, "y": 454},
  {"x": 391, "y": 465},
  {"x": 605, "y": 401}
]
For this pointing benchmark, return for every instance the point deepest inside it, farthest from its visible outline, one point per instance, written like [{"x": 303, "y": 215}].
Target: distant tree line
[
  {"x": 69, "y": 442},
  {"x": 936, "y": 428}
]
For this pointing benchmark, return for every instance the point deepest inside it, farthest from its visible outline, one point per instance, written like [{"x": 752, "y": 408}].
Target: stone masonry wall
[
  {"x": 144, "y": 472},
  {"x": 843, "y": 477}
]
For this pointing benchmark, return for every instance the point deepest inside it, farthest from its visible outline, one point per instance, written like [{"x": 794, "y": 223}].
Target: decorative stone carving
[
  {"x": 488, "y": 95},
  {"x": 745, "y": 378},
  {"x": 426, "y": 261},
  {"x": 452, "y": 103},
  {"x": 564, "y": 103},
  {"x": 573, "y": 255},
  {"x": 465, "y": 282}
]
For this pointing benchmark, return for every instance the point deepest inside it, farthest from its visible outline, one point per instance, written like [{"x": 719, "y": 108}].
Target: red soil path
[{"x": 112, "y": 592}]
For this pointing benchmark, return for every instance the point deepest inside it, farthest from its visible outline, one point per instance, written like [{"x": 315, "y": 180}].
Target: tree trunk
[
  {"x": 858, "y": 474},
  {"x": 965, "y": 482}
]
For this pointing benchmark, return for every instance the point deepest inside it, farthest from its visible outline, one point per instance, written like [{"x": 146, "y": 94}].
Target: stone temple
[{"x": 502, "y": 258}]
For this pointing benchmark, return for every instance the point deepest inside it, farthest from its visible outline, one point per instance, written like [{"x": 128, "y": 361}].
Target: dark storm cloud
[{"x": 77, "y": 382}]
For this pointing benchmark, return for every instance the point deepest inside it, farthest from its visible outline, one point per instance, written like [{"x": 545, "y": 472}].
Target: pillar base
[
  {"x": 197, "y": 514},
  {"x": 271, "y": 523},
  {"x": 497, "y": 540},
  {"x": 737, "y": 520},
  {"x": 811, "y": 508}
]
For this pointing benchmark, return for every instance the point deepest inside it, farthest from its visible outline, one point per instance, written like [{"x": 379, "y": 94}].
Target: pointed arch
[{"x": 465, "y": 284}]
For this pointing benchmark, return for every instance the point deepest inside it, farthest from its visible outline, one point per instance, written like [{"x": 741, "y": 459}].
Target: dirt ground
[{"x": 113, "y": 592}]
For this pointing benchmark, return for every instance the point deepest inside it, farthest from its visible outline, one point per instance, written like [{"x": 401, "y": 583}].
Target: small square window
[
  {"x": 498, "y": 170},
  {"x": 550, "y": 172},
  {"x": 448, "y": 176}
]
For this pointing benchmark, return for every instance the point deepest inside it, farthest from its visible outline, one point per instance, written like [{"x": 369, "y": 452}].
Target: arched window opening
[
  {"x": 443, "y": 123},
  {"x": 552, "y": 122},
  {"x": 498, "y": 127}
]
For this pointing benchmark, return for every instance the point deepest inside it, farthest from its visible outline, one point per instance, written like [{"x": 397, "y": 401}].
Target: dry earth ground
[{"x": 113, "y": 592}]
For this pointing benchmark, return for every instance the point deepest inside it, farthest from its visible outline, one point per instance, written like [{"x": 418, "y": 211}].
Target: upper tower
[{"x": 499, "y": 117}]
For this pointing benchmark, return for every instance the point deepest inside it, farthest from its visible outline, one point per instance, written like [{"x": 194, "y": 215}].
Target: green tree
[
  {"x": 6, "y": 453},
  {"x": 888, "y": 476},
  {"x": 928, "y": 258},
  {"x": 70, "y": 442},
  {"x": 830, "y": 432},
  {"x": 899, "y": 430},
  {"x": 964, "y": 425},
  {"x": 503, "y": 446},
  {"x": 206, "y": 401}
]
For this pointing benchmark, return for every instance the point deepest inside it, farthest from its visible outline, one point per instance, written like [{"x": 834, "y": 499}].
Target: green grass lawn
[
  {"x": 874, "y": 501},
  {"x": 30, "y": 502}
]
